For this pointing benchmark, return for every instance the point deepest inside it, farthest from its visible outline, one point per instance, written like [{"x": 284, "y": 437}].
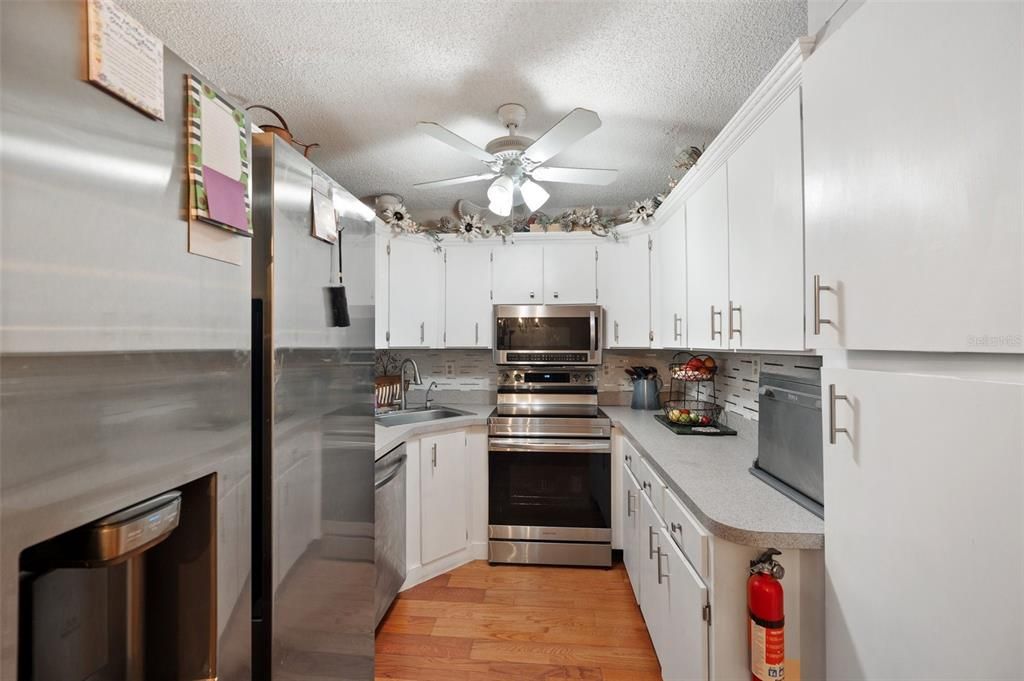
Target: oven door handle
[{"x": 533, "y": 445}]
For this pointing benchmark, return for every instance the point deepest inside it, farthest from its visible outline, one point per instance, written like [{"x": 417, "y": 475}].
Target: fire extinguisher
[{"x": 766, "y": 631}]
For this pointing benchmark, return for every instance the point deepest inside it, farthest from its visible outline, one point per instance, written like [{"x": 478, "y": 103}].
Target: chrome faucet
[
  {"x": 416, "y": 380},
  {"x": 426, "y": 404}
]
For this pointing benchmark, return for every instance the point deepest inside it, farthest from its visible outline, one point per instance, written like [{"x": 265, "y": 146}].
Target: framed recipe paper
[
  {"x": 124, "y": 58},
  {"x": 218, "y": 159}
]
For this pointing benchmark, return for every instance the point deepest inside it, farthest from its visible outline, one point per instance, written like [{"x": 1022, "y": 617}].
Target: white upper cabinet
[
  {"x": 416, "y": 283},
  {"x": 707, "y": 262},
  {"x": 914, "y": 163},
  {"x": 467, "y": 298},
  {"x": 624, "y": 290},
  {"x": 518, "y": 274},
  {"x": 570, "y": 273},
  {"x": 908, "y": 487},
  {"x": 668, "y": 295},
  {"x": 766, "y": 236}
]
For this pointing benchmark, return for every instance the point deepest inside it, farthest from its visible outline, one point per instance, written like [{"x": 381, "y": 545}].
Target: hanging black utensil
[{"x": 336, "y": 294}]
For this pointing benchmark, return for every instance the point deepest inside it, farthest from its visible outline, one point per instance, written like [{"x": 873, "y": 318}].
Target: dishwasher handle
[{"x": 391, "y": 474}]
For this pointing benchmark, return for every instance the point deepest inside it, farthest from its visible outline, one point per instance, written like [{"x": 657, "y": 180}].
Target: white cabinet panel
[
  {"x": 467, "y": 297},
  {"x": 444, "y": 499},
  {"x": 570, "y": 273},
  {"x": 381, "y": 317},
  {"x": 624, "y": 290},
  {"x": 668, "y": 291},
  {"x": 914, "y": 162},
  {"x": 687, "y": 533},
  {"x": 518, "y": 274},
  {"x": 707, "y": 262},
  {"x": 652, "y": 603},
  {"x": 416, "y": 282},
  {"x": 631, "y": 529},
  {"x": 684, "y": 643},
  {"x": 766, "y": 235},
  {"x": 925, "y": 523}
]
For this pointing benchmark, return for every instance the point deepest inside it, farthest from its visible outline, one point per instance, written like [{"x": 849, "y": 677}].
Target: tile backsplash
[{"x": 470, "y": 377}]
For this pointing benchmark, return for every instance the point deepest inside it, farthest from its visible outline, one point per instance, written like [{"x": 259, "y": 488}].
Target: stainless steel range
[{"x": 549, "y": 469}]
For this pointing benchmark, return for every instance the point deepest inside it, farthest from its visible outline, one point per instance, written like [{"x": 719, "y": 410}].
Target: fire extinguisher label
[{"x": 767, "y": 652}]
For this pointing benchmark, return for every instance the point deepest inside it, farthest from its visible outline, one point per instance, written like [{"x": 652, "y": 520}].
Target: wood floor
[{"x": 517, "y": 623}]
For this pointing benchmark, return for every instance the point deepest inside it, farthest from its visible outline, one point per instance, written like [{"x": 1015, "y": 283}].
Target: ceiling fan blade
[
  {"x": 445, "y": 135},
  {"x": 576, "y": 125},
  {"x": 575, "y": 175},
  {"x": 456, "y": 180}
]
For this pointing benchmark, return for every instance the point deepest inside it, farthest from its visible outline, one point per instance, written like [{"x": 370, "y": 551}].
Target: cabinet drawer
[
  {"x": 652, "y": 485},
  {"x": 687, "y": 533},
  {"x": 630, "y": 456}
]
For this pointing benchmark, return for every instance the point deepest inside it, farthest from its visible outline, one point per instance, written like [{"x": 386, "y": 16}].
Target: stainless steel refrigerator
[
  {"x": 124, "y": 374},
  {"x": 313, "y": 571}
]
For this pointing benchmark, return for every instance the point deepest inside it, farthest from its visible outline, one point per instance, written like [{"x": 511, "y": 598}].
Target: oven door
[
  {"x": 550, "y": 489},
  {"x": 547, "y": 334}
]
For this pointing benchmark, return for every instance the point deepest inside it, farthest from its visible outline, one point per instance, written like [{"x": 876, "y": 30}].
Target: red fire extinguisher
[{"x": 766, "y": 631}]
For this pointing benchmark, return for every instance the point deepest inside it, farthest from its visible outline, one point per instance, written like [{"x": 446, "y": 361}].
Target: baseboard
[{"x": 418, "y": 574}]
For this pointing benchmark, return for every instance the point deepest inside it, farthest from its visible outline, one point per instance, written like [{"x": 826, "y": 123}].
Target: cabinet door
[
  {"x": 914, "y": 163},
  {"x": 925, "y": 521},
  {"x": 668, "y": 295},
  {"x": 415, "y": 276},
  {"x": 707, "y": 262},
  {"x": 444, "y": 527},
  {"x": 631, "y": 528},
  {"x": 651, "y": 595},
  {"x": 624, "y": 289},
  {"x": 467, "y": 297},
  {"x": 518, "y": 274},
  {"x": 684, "y": 650},
  {"x": 766, "y": 235},
  {"x": 381, "y": 316},
  {"x": 570, "y": 273}
]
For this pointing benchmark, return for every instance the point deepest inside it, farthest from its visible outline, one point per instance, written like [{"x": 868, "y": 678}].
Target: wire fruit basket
[
  {"x": 696, "y": 369},
  {"x": 692, "y": 412}
]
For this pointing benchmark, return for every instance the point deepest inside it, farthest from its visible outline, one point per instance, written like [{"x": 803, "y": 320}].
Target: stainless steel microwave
[{"x": 564, "y": 335}]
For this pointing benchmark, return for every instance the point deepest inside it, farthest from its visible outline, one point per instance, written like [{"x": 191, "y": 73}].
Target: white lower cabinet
[
  {"x": 444, "y": 495},
  {"x": 682, "y": 598},
  {"x": 630, "y": 528}
]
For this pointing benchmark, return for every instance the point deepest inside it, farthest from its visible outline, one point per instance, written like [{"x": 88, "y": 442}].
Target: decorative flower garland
[{"x": 473, "y": 226}]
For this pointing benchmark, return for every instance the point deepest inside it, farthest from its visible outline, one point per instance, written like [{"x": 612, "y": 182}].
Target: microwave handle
[{"x": 593, "y": 331}]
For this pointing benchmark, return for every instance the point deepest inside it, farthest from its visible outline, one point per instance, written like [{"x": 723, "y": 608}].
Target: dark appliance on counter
[
  {"x": 789, "y": 449},
  {"x": 547, "y": 335},
  {"x": 549, "y": 469}
]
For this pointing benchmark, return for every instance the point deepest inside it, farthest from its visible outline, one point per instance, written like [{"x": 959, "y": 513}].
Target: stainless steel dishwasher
[{"x": 389, "y": 528}]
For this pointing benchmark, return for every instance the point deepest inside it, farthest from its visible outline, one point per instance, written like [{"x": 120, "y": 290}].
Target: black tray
[{"x": 714, "y": 429}]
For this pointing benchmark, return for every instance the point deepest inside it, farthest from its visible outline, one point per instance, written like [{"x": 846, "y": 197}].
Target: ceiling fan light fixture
[
  {"x": 534, "y": 194},
  {"x": 500, "y": 194}
]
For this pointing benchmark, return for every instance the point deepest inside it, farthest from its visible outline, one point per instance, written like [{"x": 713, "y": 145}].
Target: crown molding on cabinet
[{"x": 784, "y": 77}]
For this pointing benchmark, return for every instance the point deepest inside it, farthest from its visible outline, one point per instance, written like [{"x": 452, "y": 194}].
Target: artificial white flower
[{"x": 642, "y": 211}]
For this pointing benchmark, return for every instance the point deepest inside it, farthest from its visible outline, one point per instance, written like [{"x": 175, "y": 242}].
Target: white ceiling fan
[{"x": 515, "y": 162}]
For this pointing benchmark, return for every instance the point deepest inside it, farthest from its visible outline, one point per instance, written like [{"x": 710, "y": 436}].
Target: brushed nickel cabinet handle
[
  {"x": 677, "y": 327},
  {"x": 422, "y": 331},
  {"x": 531, "y": 295},
  {"x": 818, "y": 288},
  {"x": 630, "y": 498},
  {"x": 733, "y": 329},
  {"x": 676, "y": 527},
  {"x": 476, "y": 340},
  {"x": 660, "y": 574},
  {"x": 714, "y": 314},
  {"x": 834, "y": 397},
  {"x": 650, "y": 542},
  {"x": 556, "y": 294},
  {"x": 433, "y": 455},
  {"x": 616, "y": 332}
]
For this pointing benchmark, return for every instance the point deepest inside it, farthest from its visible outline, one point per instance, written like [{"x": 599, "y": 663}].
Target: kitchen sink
[{"x": 407, "y": 416}]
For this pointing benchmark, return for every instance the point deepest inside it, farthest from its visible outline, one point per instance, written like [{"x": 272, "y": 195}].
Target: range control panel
[{"x": 544, "y": 376}]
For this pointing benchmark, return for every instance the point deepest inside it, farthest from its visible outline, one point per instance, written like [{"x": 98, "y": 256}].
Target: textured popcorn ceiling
[{"x": 357, "y": 76}]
